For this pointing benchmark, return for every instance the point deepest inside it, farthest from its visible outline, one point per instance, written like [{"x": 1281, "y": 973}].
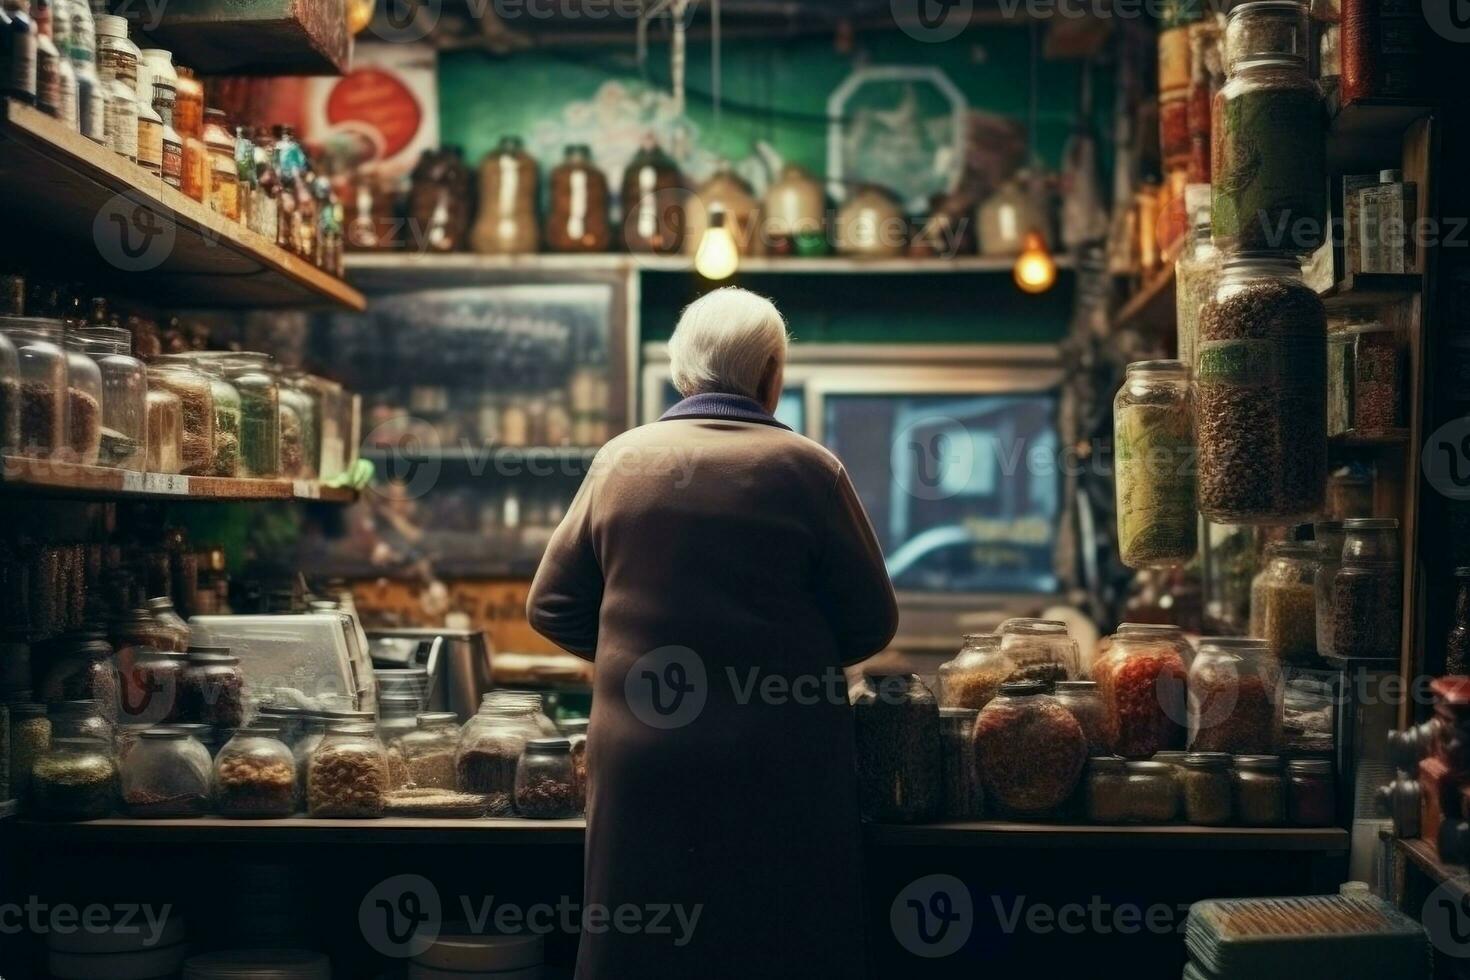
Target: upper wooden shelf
[
  {"x": 96, "y": 216},
  {"x": 19, "y": 473},
  {"x": 1367, "y": 135},
  {"x": 1151, "y": 309},
  {"x": 262, "y": 37},
  {"x": 1369, "y": 289}
]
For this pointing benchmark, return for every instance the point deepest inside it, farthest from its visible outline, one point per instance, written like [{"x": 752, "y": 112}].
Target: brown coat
[{"x": 722, "y": 572}]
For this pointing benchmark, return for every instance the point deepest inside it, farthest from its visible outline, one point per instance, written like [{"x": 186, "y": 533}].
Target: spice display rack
[
  {"x": 75, "y": 480},
  {"x": 73, "y": 201}
]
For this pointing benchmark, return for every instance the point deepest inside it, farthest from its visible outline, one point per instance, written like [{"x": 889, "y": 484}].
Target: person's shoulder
[{"x": 775, "y": 442}]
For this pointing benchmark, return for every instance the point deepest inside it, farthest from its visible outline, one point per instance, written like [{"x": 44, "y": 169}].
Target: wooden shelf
[
  {"x": 1367, "y": 134},
  {"x": 1425, "y": 856},
  {"x": 1370, "y": 439},
  {"x": 263, "y": 37},
  {"x": 19, "y": 473},
  {"x": 82, "y": 206},
  {"x": 1372, "y": 289},
  {"x": 999, "y": 833},
  {"x": 1150, "y": 310}
]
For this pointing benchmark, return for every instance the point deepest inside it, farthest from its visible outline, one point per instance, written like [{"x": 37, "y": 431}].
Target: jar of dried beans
[
  {"x": 545, "y": 787},
  {"x": 42, "y": 393},
  {"x": 491, "y": 743},
  {"x": 1260, "y": 395},
  {"x": 1266, "y": 27},
  {"x": 897, "y": 749},
  {"x": 1141, "y": 679},
  {"x": 1284, "y": 600},
  {"x": 428, "y": 751},
  {"x": 963, "y": 797},
  {"x": 214, "y": 687},
  {"x": 255, "y": 775},
  {"x": 1153, "y": 436},
  {"x": 1311, "y": 797},
  {"x": 124, "y": 436},
  {"x": 1030, "y": 750},
  {"x": 348, "y": 774},
  {"x": 1260, "y": 794},
  {"x": 196, "y": 399},
  {"x": 1205, "y": 781},
  {"x": 1084, "y": 701},
  {"x": 1365, "y": 379},
  {"x": 84, "y": 400},
  {"x": 167, "y": 774},
  {"x": 1042, "y": 650},
  {"x": 1235, "y": 697},
  {"x": 971, "y": 679}
]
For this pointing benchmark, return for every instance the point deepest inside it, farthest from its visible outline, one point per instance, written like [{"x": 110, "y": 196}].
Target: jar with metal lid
[
  {"x": 1196, "y": 273},
  {"x": 1260, "y": 396},
  {"x": 117, "y": 66},
  {"x": 506, "y": 223},
  {"x": 260, "y": 416},
  {"x": 123, "y": 437},
  {"x": 288, "y": 720},
  {"x": 1153, "y": 792},
  {"x": 1330, "y": 537},
  {"x": 1041, "y": 649},
  {"x": 1365, "y": 379},
  {"x": 1141, "y": 683},
  {"x": 1204, "y": 780},
  {"x": 153, "y": 683},
  {"x": 196, "y": 400},
  {"x": 84, "y": 399},
  {"x": 1284, "y": 600},
  {"x": 189, "y": 121},
  {"x": 255, "y": 775},
  {"x": 214, "y": 687},
  {"x": 397, "y": 716},
  {"x": 1153, "y": 436},
  {"x": 227, "y": 410},
  {"x": 1235, "y": 697},
  {"x": 1084, "y": 701},
  {"x": 82, "y": 669},
  {"x": 1311, "y": 796},
  {"x": 157, "y": 67},
  {"x": 82, "y": 718},
  {"x": 167, "y": 774},
  {"x": 962, "y": 796},
  {"x": 971, "y": 679},
  {"x": 1260, "y": 796},
  {"x": 1264, "y": 28},
  {"x": 428, "y": 751},
  {"x": 9, "y": 397},
  {"x": 224, "y": 180},
  {"x": 347, "y": 775},
  {"x": 76, "y": 779},
  {"x": 42, "y": 370},
  {"x": 578, "y": 219},
  {"x": 491, "y": 743},
  {"x": 545, "y": 786},
  {"x": 1107, "y": 789},
  {"x": 165, "y": 439},
  {"x": 1029, "y": 748},
  {"x": 898, "y": 754}
]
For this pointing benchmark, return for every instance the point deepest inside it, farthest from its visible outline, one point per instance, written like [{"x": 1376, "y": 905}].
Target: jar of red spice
[
  {"x": 1174, "y": 127},
  {"x": 1235, "y": 697},
  {"x": 1311, "y": 797},
  {"x": 1030, "y": 750},
  {"x": 1142, "y": 681}
]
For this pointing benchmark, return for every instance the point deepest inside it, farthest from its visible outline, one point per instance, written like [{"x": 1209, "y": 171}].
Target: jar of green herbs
[{"x": 1153, "y": 435}]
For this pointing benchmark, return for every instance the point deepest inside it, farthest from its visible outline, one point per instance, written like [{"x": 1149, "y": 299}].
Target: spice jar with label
[
  {"x": 1260, "y": 395},
  {"x": 1205, "y": 780},
  {"x": 117, "y": 66},
  {"x": 1284, "y": 601},
  {"x": 1141, "y": 682},
  {"x": 347, "y": 775},
  {"x": 1042, "y": 650},
  {"x": 76, "y": 779},
  {"x": 1107, "y": 789},
  {"x": 1311, "y": 797},
  {"x": 1235, "y": 697},
  {"x": 545, "y": 786},
  {"x": 971, "y": 679},
  {"x": 506, "y": 223},
  {"x": 578, "y": 219},
  {"x": 167, "y": 774},
  {"x": 1084, "y": 701},
  {"x": 1030, "y": 750},
  {"x": 1260, "y": 793},
  {"x": 255, "y": 775},
  {"x": 963, "y": 797},
  {"x": 158, "y": 65},
  {"x": 122, "y": 440},
  {"x": 897, "y": 749},
  {"x": 1153, "y": 435},
  {"x": 224, "y": 180},
  {"x": 653, "y": 202},
  {"x": 189, "y": 122},
  {"x": 42, "y": 366}
]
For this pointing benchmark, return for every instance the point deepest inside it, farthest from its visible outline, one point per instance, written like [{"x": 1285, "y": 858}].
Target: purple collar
[{"x": 720, "y": 405}]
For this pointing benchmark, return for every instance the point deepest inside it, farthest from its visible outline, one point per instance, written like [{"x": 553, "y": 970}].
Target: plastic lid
[
  {"x": 111, "y": 25},
  {"x": 483, "y": 954},
  {"x": 258, "y": 964},
  {"x": 958, "y": 712}
]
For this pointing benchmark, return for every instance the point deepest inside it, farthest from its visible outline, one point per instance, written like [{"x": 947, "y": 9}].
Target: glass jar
[
  {"x": 214, "y": 687},
  {"x": 1235, "y": 697},
  {"x": 1006, "y": 216},
  {"x": 506, "y": 223},
  {"x": 870, "y": 224},
  {"x": 1084, "y": 701},
  {"x": 1368, "y": 539},
  {"x": 428, "y": 751},
  {"x": 1457, "y": 642},
  {"x": 76, "y": 779},
  {"x": 255, "y": 775},
  {"x": 123, "y": 435},
  {"x": 300, "y": 428},
  {"x": 224, "y": 179},
  {"x": 1269, "y": 167},
  {"x": 153, "y": 685},
  {"x": 1141, "y": 683},
  {"x": 30, "y": 738},
  {"x": 1260, "y": 397},
  {"x": 189, "y": 121},
  {"x": 1153, "y": 792},
  {"x": 165, "y": 439},
  {"x": 170, "y": 622},
  {"x": 1041, "y": 650},
  {"x": 727, "y": 192},
  {"x": 545, "y": 785},
  {"x": 83, "y": 718},
  {"x": 83, "y": 403},
  {"x": 82, "y": 669},
  {"x": 1196, "y": 273},
  {"x": 43, "y": 385},
  {"x": 971, "y": 679},
  {"x": 1260, "y": 798},
  {"x": 139, "y": 628},
  {"x": 575, "y": 730},
  {"x": 227, "y": 411},
  {"x": 397, "y": 716},
  {"x": 260, "y": 417},
  {"x": 1365, "y": 379},
  {"x": 1205, "y": 781},
  {"x": 167, "y": 774},
  {"x": 897, "y": 749},
  {"x": 1030, "y": 750},
  {"x": 1329, "y": 536},
  {"x": 9, "y": 397},
  {"x": 348, "y": 774},
  {"x": 1284, "y": 600},
  {"x": 1311, "y": 796},
  {"x": 196, "y": 400},
  {"x": 117, "y": 67},
  {"x": 1266, "y": 27},
  {"x": 1153, "y": 437},
  {"x": 578, "y": 218},
  {"x": 491, "y": 743},
  {"x": 962, "y": 796},
  {"x": 1367, "y": 609},
  {"x": 652, "y": 198},
  {"x": 289, "y": 721},
  {"x": 1107, "y": 789}
]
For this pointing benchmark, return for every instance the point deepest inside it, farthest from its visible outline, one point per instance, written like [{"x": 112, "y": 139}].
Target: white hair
[{"x": 724, "y": 341}]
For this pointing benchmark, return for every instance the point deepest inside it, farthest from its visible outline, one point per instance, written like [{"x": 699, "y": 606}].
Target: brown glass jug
[
  {"x": 578, "y": 219},
  {"x": 506, "y": 224},
  {"x": 724, "y": 190},
  {"x": 653, "y": 202}
]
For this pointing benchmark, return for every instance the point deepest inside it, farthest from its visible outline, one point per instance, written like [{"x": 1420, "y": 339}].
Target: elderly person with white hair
[{"x": 719, "y": 571}]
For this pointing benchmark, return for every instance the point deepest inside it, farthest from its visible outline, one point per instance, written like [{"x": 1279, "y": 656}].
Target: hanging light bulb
[
  {"x": 718, "y": 256},
  {"x": 1035, "y": 270},
  {"x": 359, "y": 15}
]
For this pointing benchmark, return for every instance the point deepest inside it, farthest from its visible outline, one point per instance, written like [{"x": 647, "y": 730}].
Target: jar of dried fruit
[
  {"x": 348, "y": 774},
  {"x": 897, "y": 749},
  {"x": 1141, "y": 681},
  {"x": 1040, "y": 649},
  {"x": 255, "y": 775},
  {"x": 545, "y": 787},
  {"x": 167, "y": 774},
  {"x": 1030, "y": 750},
  {"x": 1236, "y": 700},
  {"x": 1284, "y": 600},
  {"x": 1153, "y": 435},
  {"x": 971, "y": 679}
]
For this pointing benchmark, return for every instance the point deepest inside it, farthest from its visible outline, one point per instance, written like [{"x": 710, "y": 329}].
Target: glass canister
[
  {"x": 1196, "y": 273},
  {"x": 164, "y": 449},
  {"x": 1084, "y": 701},
  {"x": 1311, "y": 795},
  {"x": 224, "y": 180},
  {"x": 9, "y": 397},
  {"x": 962, "y": 796},
  {"x": 428, "y": 751},
  {"x": 897, "y": 749},
  {"x": 82, "y": 669},
  {"x": 1260, "y": 796},
  {"x": 1041, "y": 650},
  {"x": 123, "y": 438},
  {"x": 117, "y": 67},
  {"x": 1030, "y": 750},
  {"x": 1367, "y": 609},
  {"x": 42, "y": 365},
  {"x": 397, "y": 716},
  {"x": 793, "y": 214},
  {"x": 1107, "y": 789},
  {"x": 1263, "y": 28},
  {"x": 162, "y": 608},
  {"x": 1368, "y": 539},
  {"x": 1204, "y": 780},
  {"x": 1005, "y": 218},
  {"x": 255, "y": 775},
  {"x": 76, "y": 779},
  {"x": 1365, "y": 380},
  {"x": 153, "y": 686},
  {"x": 491, "y": 743},
  {"x": 83, "y": 403},
  {"x": 1269, "y": 167},
  {"x": 652, "y": 200},
  {"x": 871, "y": 224},
  {"x": 1260, "y": 395},
  {"x": 1153, "y": 437},
  {"x": 347, "y": 775},
  {"x": 506, "y": 223},
  {"x": 167, "y": 774},
  {"x": 545, "y": 787},
  {"x": 260, "y": 416},
  {"x": 189, "y": 121},
  {"x": 1330, "y": 537},
  {"x": 227, "y": 410},
  {"x": 975, "y": 674},
  {"x": 214, "y": 688},
  {"x": 30, "y": 738},
  {"x": 301, "y": 447},
  {"x": 578, "y": 219},
  {"x": 1153, "y": 792},
  {"x": 1284, "y": 601},
  {"x": 1236, "y": 697},
  {"x": 1141, "y": 681},
  {"x": 196, "y": 398},
  {"x": 83, "y": 718}
]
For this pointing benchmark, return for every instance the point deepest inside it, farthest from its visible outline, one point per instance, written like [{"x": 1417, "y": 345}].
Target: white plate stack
[
  {"x": 471, "y": 957},
  {"x": 131, "y": 949}
]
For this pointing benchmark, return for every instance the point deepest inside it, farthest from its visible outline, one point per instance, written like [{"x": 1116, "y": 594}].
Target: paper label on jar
[
  {"x": 577, "y": 219},
  {"x": 173, "y": 162},
  {"x": 150, "y": 145},
  {"x": 122, "y": 128},
  {"x": 1242, "y": 363},
  {"x": 113, "y": 62}
]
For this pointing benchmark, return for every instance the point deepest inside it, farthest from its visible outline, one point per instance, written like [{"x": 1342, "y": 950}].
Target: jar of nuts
[
  {"x": 255, "y": 775},
  {"x": 545, "y": 782},
  {"x": 348, "y": 774}
]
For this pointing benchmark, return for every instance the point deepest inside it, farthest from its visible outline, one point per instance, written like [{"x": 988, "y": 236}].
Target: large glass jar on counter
[
  {"x": 9, "y": 397},
  {"x": 962, "y": 796},
  {"x": 76, "y": 779},
  {"x": 545, "y": 787},
  {"x": 897, "y": 749},
  {"x": 506, "y": 223},
  {"x": 84, "y": 397},
  {"x": 1141, "y": 679},
  {"x": 347, "y": 775},
  {"x": 578, "y": 219},
  {"x": 1195, "y": 273},
  {"x": 1235, "y": 697},
  {"x": 428, "y": 751},
  {"x": 1329, "y": 537},
  {"x": 1205, "y": 781},
  {"x": 1040, "y": 649},
  {"x": 82, "y": 669},
  {"x": 165, "y": 424},
  {"x": 124, "y": 435},
  {"x": 196, "y": 399},
  {"x": 1084, "y": 700},
  {"x": 1153, "y": 437},
  {"x": 227, "y": 412},
  {"x": 971, "y": 679},
  {"x": 1030, "y": 750},
  {"x": 153, "y": 686},
  {"x": 260, "y": 413},
  {"x": 41, "y": 366},
  {"x": 167, "y": 774},
  {"x": 1284, "y": 600},
  {"x": 82, "y": 718},
  {"x": 255, "y": 775},
  {"x": 653, "y": 201},
  {"x": 491, "y": 743},
  {"x": 214, "y": 687},
  {"x": 1260, "y": 396}
]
